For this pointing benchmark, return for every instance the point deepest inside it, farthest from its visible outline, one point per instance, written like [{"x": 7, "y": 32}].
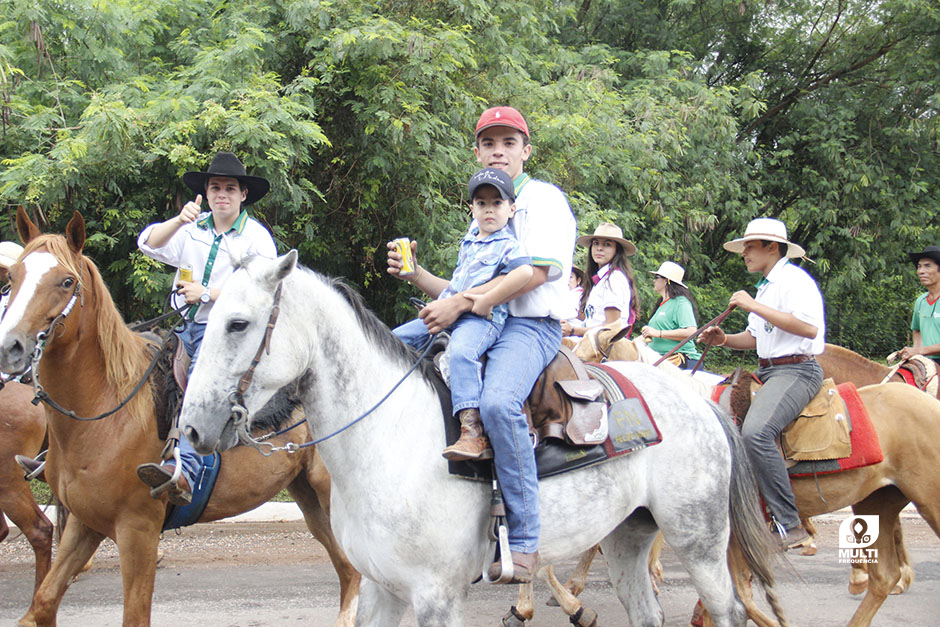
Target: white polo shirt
[
  {"x": 789, "y": 289},
  {"x": 547, "y": 228},
  {"x": 193, "y": 244},
  {"x": 613, "y": 290}
]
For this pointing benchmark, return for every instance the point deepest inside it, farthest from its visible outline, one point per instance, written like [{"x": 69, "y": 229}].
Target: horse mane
[
  {"x": 376, "y": 330},
  {"x": 125, "y": 353}
]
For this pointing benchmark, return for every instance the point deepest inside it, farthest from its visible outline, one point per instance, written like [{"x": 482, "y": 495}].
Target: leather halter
[{"x": 264, "y": 348}]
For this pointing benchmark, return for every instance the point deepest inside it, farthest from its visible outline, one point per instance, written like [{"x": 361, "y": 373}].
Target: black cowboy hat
[
  {"x": 931, "y": 252},
  {"x": 227, "y": 164}
]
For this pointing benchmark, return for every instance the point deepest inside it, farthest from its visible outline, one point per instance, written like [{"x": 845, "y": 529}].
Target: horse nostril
[
  {"x": 16, "y": 349},
  {"x": 191, "y": 434}
]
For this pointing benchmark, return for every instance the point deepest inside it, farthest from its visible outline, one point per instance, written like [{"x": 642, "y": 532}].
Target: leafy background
[{"x": 679, "y": 120}]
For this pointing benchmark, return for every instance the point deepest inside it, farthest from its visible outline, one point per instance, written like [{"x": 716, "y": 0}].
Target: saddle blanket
[
  {"x": 866, "y": 449},
  {"x": 630, "y": 428}
]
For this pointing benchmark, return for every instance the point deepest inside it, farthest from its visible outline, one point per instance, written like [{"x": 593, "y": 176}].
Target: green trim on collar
[
  {"x": 763, "y": 280},
  {"x": 519, "y": 182},
  {"x": 238, "y": 226}
]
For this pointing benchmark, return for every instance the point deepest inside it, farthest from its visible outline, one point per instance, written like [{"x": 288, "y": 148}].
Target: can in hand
[
  {"x": 186, "y": 273},
  {"x": 403, "y": 246}
]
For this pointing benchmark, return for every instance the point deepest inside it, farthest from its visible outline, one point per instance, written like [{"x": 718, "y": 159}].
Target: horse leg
[
  {"x": 377, "y": 606},
  {"x": 578, "y": 578},
  {"x": 569, "y": 603},
  {"x": 741, "y": 576},
  {"x": 626, "y": 550},
  {"x": 33, "y": 524},
  {"x": 77, "y": 545},
  {"x": 314, "y": 499},
  {"x": 654, "y": 565},
  {"x": 808, "y": 546},
  {"x": 137, "y": 542},
  {"x": 885, "y": 572},
  {"x": 907, "y": 571}
]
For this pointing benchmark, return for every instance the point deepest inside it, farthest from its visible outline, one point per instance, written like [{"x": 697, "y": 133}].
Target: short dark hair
[
  {"x": 525, "y": 138},
  {"x": 783, "y": 248}
]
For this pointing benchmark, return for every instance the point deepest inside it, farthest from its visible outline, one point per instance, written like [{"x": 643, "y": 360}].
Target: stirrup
[
  {"x": 499, "y": 533},
  {"x": 32, "y": 472}
]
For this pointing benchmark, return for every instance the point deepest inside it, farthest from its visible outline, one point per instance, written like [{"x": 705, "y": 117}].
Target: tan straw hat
[
  {"x": 9, "y": 253},
  {"x": 606, "y": 230},
  {"x": 767, "y": 229},
  {"x": 672, "y": 272}
]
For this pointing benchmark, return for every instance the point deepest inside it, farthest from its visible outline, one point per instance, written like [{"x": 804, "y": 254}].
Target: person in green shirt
[
  {"x": 675, "y": 317},
  {"x": 925, "y": 323}
]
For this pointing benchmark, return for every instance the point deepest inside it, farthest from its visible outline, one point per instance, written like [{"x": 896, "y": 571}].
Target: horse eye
[
  {"x": 237, "y": 326},
  {"x": 67, "y": 282}
]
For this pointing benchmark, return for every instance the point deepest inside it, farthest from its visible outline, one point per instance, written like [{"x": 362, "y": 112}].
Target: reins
[
  {"x": 240, "y": 412},
  {"x": 717, "y": 320}
]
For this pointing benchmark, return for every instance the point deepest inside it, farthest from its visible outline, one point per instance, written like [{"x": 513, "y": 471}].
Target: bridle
[
  {"x": 239, "y": 412},
  {"x": 45, "y": 336}
]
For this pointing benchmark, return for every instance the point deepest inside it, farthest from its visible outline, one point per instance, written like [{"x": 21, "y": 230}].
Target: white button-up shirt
[{"x": 789, "y": 289}]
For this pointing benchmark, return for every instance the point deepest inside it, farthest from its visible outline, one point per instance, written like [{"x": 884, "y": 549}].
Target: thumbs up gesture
[{"x": 191, "y": 210}]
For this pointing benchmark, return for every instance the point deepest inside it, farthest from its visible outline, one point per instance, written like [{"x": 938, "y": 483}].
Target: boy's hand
[
  {"x": 395, "y": 264},
  {"x": 713, "y": 335},
  {"x": 442, "y": 313},
  {"x": 742, "y": 300},
  {"x": 481, "y": 305},
  {"x": 191, "y": 210}
]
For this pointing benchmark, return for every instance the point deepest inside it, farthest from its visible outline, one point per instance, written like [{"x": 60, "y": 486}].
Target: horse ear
[
  {"x": 75, "y": 233},
  {"x": 25, "y": 227},
  {"x": 284, "y": 266}
]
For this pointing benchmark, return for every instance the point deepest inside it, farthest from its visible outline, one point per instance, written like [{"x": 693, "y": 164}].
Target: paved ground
[{"x": 273, "y": 573}]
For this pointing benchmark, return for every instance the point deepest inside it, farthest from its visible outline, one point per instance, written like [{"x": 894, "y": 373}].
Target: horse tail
[{"x": 748, "y": 529}]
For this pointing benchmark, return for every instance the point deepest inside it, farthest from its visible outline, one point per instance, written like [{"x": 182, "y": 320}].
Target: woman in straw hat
[
  {"x": 675, "y": 317},
  {"x": 610, "y": 295}
]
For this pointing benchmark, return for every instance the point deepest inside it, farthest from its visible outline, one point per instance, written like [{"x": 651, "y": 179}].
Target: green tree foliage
[{"x": 680, "y": 120}]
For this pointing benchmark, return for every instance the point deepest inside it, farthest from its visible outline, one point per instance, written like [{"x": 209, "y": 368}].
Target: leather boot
[
  {"x": 160, "y": 480},
  {"x": 472, "y": 445}
]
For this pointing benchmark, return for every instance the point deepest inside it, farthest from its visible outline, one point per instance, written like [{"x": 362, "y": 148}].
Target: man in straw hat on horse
[
  {"x": 925, "y": 323},
  {"x": 204, "y": 246},
  {"x": 787, "y": 326},
  {"x": 9, "y": 253}
]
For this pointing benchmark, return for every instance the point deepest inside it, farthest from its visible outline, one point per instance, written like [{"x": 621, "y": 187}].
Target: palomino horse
[
  {"x": 844, "y": 365},
  {"x": 22, "y": 431},
  {"x": 90, "y": 363},
  {"x": 419, "y": 534}
]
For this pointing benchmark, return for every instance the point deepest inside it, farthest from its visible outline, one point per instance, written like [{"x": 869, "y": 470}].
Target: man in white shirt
[
  {"x": 207, "y": 244},
  {"x": 9, "y": 253},
  {"x": 787, "y": 326},
  {"x": 543, "y": 222}
]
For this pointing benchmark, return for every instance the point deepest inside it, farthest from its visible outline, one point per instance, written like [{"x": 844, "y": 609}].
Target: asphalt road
[{"x": 261, "y": 574}]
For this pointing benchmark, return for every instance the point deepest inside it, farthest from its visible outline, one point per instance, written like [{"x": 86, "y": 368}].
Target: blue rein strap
[{"x": 241, "y": 417}]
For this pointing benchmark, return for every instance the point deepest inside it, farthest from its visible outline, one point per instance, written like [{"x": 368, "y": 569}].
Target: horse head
[
  {"x": 46, "y": 282},
  {"x": 234, "y": 368},
  {"x": 602, "y": 344}
]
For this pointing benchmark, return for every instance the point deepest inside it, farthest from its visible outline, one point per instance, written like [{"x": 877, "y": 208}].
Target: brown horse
[
  {"x": 844, "y": 365},
  {"x": 22, "y": 431},
  {"x": 90, "y": 364}
]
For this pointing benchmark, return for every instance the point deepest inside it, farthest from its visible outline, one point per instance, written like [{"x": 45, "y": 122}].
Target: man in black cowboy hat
[
  {"x": 204, "y": 247},
  {"x": 925, "y": 324}
]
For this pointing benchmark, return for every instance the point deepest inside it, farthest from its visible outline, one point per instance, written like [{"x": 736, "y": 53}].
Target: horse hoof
[
  {"x": 899, "y": 589},
  {"x": 809, "y": 549},
  {"x": 513, "y": 618},
  {"x": 858, "y": 588},
  {"x": 584, "y": 617}
]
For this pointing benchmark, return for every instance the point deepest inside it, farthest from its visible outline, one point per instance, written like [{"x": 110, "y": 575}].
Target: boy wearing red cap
[{"x": 532, "y": 334}]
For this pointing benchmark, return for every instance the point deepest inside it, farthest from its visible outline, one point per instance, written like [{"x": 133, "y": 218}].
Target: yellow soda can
[
  {"x": 186, "y": 273},
  {"x": 403, "y": 246}
]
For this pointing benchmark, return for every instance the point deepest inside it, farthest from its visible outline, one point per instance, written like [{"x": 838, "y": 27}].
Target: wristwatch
[{"x": 206, "y": 296}]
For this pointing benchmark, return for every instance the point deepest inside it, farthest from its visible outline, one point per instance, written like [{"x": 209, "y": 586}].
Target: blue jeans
[
  {"x": 190, "y": 460},
  {"x": 786, "y": 391},
  {"x": 470, "y": 337},
  {"x": 524, "y": 348}
]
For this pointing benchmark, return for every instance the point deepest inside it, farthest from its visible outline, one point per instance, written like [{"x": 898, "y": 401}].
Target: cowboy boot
[{"x": 473, "y": 444}]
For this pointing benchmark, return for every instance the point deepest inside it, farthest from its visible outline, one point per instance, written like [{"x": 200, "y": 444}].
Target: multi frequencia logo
[{"x": 856, "y": 535}]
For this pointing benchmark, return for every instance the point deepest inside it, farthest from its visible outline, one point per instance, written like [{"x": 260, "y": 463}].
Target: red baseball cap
[{"x": 502, "y": 116}]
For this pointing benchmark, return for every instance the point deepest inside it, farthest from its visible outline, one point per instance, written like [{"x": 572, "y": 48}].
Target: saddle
[
  {"x": 918, "y": 371},
  {"x": 821, "y": 432}
]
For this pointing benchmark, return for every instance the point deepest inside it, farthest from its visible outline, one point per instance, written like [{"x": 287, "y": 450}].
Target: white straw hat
[
  {"x": 606, "y": 230},
  {"x": 671, "y": 271},
  {"x": 9, "y": 253},
  {"x": 767, "y": 229}
]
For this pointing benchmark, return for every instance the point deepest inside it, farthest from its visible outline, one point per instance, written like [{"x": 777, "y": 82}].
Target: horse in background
[
  {"x": 22, "y": 432},
  {"x": 90, "y": 364}
]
